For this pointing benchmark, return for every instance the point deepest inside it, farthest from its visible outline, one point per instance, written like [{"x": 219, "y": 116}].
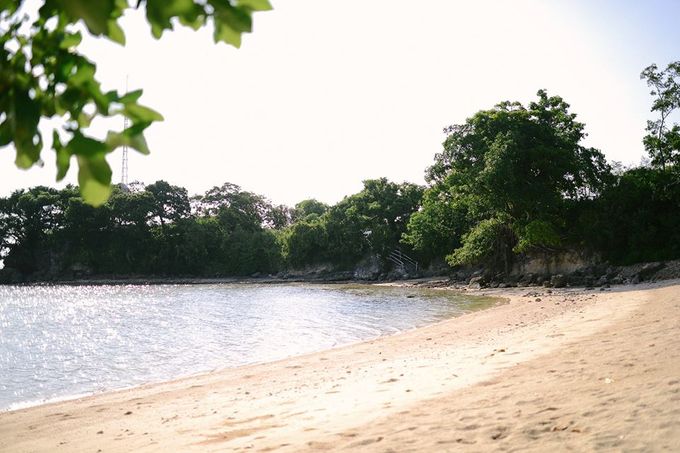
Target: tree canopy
[
  {"x": 43, "y": 75},
  {"x": 504, "y": 177},
  {"x": 662, "y": 141},
  {"x": 158, "y": 230}
]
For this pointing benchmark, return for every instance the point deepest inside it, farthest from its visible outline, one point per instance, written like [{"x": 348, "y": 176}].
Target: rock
[
  {"x": 669, "y": 271},
  {"x": 526, "y": 279},
  {"x": 477, "y": 282},
  {"x": 368, "y": 269},
  {"x": 460, "y": 276},
  {"x": 602, "y": 281},
  {"x": 635, "y": 280},
  {"x": 511, "y": 280},
  {"x": 558, "y": 281},
  {"x": 575, "y": 280},
  {"x": 397, "y": 274},
  {"x": 649, "y": 269}
]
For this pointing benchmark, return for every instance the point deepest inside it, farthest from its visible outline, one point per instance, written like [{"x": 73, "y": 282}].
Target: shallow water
[{"x": 61, "y": 341}]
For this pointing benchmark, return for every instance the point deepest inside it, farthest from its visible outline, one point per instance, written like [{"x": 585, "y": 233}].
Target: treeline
[
  {"x": 158, "y": 230},
  {"x": 513, "y": 180}
]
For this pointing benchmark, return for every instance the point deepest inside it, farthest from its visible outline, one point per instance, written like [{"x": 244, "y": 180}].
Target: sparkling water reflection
[{"x": 59, "y": 341}]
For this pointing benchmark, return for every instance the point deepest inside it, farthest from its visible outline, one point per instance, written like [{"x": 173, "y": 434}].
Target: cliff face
[{"x": 566, "y": 262}]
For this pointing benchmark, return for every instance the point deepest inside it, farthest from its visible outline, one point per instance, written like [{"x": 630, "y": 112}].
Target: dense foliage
[
  {"x": 636, "y": 219},
  {"x": 503, "y": 181},
  {"x": 158, "y": 230},
  {"x": 516, "y": 180},
  {"x": 43, "y": 76}
]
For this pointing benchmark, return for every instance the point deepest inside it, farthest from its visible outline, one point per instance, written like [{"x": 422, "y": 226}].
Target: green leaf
[
  {"x": 84, "y": 120},
  {"x": 230, "y": 22},
  {"x": 63, "y": 156},
  {"x": 9, "y": 5},
  {"x": 131, "y": 97},
  {"x": 84, "y": 74},
  {"x": 116, "y": 33},
  {"x": 255, "y": 5},
  {"x": 63, "y": 163},
  {"x": 159, "y": 13},
  {"x": 129, "y": 137},
  {"x": 86, "y": 146},
  {"x": 138, "y": 142},
  {"x": 225, "y": 34},
  {"x": 95, "y": 13},
  {"x": 70, "y": 40},
  {"x": 23, "y": 116},
  {"x": 140, "y": 113},
  {"x": 5, "y": 134},
  {"x": 94, "y": 178},
  {"x": 27, "y": 154},
  {"x": 193, "y": 22},
  {"x": 238, "y": 19}
]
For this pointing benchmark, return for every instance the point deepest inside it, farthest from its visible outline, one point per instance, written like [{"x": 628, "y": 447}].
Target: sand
[{"x": 568, "y": 370}]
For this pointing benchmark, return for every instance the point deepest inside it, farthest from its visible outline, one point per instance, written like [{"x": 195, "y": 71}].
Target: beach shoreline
[
  {"x": 419, "y": 286},
  {"x": 360, "y": 395}
]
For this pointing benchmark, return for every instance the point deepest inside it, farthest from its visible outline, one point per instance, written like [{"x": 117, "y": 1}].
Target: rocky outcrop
[
  {"x": 592, "y": 276},
  {"x": 566, "y": 262},
  {"x": 370, "y": 268}
]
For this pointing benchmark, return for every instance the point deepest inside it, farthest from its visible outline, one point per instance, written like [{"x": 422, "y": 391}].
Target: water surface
[{"x": 61, "y": 341}]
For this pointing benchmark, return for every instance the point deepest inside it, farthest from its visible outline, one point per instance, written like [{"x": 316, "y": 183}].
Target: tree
[
  {"x": 168, "y": 203},
  {"x": 236, "y": 208},
  {"x": 437, "y": 227},
  {"x": 42, "y": 75},
  {"x": 307, "y": 207},
  {"x": 28, "y": 221},
  {"x": 512, "y": 170},
  {"x": 636, "y": 219},
  {"x": 279, "y": 216},
  {"x": 306, "y": 242},
  {"x": 371, "y": 221},
  {"x": 663, "y": 140}
]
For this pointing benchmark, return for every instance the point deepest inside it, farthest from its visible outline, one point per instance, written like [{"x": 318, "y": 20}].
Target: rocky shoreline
[
  {"x": 595, "y": 276},
  {"x": 602, "y": 276}
]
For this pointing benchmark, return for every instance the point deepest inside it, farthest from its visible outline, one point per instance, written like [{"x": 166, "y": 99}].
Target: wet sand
[{"x": 566, "y": 370}]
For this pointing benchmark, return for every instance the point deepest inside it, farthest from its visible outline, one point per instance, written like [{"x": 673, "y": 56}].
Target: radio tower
[{"x": 124, "y": 169}]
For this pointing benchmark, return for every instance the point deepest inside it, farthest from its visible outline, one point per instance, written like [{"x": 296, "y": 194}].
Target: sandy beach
[{"x": 561, "y": 370}]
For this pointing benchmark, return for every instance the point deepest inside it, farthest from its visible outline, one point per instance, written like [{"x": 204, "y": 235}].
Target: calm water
[{"x": 61, "y": 341}]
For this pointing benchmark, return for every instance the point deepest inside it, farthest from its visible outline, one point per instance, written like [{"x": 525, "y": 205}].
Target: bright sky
[{"x": 325, "y": 94}]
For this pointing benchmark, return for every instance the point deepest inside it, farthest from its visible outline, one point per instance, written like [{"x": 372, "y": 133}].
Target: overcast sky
[{"x": 325, "y": 94}]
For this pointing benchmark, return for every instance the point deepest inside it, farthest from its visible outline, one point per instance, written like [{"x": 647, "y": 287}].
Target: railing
[{"x": 402, "y": 260}]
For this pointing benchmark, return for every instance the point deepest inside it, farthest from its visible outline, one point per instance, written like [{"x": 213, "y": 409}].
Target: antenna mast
[{"x": 124, "y": 169}]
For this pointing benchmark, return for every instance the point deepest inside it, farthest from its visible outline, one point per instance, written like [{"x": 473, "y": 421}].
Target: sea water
[{"x": 58, "y": 342}]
